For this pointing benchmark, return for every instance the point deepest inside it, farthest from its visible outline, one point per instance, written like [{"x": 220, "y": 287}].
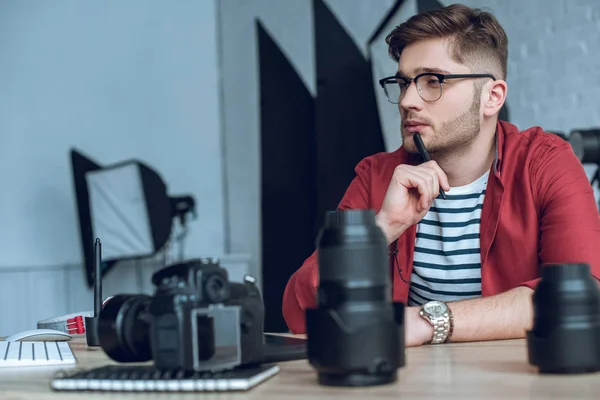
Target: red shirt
[{"x": 539, "y": 207}]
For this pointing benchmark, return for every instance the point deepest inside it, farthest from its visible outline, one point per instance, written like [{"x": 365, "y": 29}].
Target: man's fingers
[
  {"x": 431, "y": 180},
  {"x": 425, "y": 179},
  {"x": 442, "y": 177},
  {"x": 414, "y": 180}
]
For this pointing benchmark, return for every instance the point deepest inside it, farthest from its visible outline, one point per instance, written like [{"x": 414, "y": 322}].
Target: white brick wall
[{"x": 554, "y": 61}]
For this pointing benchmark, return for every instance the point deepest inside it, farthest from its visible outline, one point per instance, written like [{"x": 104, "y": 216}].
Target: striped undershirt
[{"x": 447, "y": 263}]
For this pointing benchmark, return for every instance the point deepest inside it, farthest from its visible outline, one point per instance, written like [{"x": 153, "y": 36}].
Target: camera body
[{"x": 195, "y": 321}]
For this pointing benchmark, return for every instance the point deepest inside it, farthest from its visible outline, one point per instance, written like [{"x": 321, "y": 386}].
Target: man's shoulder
[
  {"x": 535, "y": 153},
  {"x": 380, "y": 162},
  {"x": 383, "y": 162},
  {"x": 533, "y": 139}
]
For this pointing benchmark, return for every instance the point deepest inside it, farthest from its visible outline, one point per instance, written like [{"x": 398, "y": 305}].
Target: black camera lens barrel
[
  {"x": 565, "y": 337},
  {"x": 355, "y": 334},
  {"x": 586, "y": 145},
  {"x": 348, "y": 242},
  {"x": 123, "y": 335}
]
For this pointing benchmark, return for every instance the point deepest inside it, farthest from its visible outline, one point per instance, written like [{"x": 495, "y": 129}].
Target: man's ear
[{"x": 495, "y": 96}]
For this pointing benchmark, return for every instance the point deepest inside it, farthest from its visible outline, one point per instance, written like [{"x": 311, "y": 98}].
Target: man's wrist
[
  {"x": 423, "y": 330},
  {"x": 391, "y": 231}
]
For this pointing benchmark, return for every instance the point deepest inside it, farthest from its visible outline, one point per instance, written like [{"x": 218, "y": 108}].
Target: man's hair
[{"x": 476, "y": 37}]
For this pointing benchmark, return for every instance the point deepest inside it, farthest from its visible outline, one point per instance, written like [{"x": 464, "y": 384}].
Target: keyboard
[{"x": 27, "y": 354}]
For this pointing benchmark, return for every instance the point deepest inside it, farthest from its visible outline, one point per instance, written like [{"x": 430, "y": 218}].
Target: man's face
[{"x": 449, "y": 123}]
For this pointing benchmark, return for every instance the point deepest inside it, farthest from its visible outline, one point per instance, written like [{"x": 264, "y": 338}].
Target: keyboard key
[
  {"x": 14, "y": 351},
  {"x": 26, "y": 351},
  {"x": 65, "y": 351},
  {"x": 52, "y": 351},
  {"x": 21, "y": 354},
  {"x": 3, "y": 350},
  {"x": 39, "y": 351}
]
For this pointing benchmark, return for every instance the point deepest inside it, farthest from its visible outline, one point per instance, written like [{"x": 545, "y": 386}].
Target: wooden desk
[{"x": 489, "y": 370}]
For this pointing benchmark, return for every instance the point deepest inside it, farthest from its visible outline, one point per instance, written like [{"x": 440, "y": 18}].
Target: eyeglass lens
[{"x": 428, "y": 86}]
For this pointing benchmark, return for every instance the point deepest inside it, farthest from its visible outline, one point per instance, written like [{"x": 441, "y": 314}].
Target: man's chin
[
  {"x": 408, "y": 143},
  {"x": 410, "y": 148}
]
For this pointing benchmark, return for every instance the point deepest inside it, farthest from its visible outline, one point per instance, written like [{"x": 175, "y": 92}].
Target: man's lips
[{"x": 414, "y": 126}]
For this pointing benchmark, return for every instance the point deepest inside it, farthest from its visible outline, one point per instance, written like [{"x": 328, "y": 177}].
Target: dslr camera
[{"x": 195, "y": 321}]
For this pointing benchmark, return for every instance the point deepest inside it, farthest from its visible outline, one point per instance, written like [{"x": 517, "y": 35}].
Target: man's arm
[
  {"x": 569, "y": 219},
  {"x": 301, "y": 290},
  {"x": 506, "y": 315}
]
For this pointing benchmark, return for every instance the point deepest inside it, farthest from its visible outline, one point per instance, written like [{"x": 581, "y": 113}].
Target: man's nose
[{"x": 410, "y": 98}]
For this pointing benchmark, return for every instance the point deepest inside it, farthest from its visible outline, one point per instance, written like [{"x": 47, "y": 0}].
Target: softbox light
[{"x": 126, "y": 205}]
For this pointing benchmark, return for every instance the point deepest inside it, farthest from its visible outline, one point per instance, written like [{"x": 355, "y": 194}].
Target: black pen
[{"x": 425, "y": 155}]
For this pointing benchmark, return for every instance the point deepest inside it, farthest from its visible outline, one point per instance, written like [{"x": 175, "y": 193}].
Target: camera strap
[{"x": 73, "y": 324}]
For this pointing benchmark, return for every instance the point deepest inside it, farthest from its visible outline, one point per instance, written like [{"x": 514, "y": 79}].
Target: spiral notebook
[{"x": 120, "y": 378}]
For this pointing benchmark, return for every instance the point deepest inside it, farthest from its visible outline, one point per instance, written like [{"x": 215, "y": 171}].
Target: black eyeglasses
[{"x": 429, "y": 85}]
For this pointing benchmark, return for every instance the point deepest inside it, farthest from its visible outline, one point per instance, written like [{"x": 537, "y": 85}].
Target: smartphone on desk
[{"x": 279, "y": 348}]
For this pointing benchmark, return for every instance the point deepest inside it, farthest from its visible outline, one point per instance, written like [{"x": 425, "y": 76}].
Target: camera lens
[
  {"x": 565, "y": 337},
  {"x": 586, "y": 145},
  {"x": 355, "y": 335},
  {"x": 123, "y": 328}
]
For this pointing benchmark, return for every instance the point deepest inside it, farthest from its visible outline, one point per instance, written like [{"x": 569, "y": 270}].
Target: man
[{"x": 466, "y": 265}]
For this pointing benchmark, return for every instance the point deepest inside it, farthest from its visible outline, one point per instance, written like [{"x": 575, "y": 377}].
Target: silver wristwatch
[{"x": 438, "y": 314}]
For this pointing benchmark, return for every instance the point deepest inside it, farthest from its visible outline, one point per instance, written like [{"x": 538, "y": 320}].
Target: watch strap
[
  {"x": 451, "y": 323},
  {"x": 441, "y": 329}
]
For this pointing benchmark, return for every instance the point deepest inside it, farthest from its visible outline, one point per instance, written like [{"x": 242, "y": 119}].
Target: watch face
[{"x": 435, "y": 308}]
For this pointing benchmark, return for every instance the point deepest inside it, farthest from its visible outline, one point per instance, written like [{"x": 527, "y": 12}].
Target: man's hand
[
  {"x": 410, "y": 193},
  {"x": 417, "y": 330}
]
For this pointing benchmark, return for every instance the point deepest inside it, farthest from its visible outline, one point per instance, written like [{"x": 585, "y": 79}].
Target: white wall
[
  {"x": 118, "y": 80},
  {"x": 554, "y": 66}
]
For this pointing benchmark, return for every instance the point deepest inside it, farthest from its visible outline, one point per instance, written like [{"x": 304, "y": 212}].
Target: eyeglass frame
[{"x": 441, "y": 77}]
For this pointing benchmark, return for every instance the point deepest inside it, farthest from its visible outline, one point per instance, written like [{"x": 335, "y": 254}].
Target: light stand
[{"x": 182, "y": 206}]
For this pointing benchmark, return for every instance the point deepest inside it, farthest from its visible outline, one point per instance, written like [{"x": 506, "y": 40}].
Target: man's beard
[{"x": 453, "y": 135}]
